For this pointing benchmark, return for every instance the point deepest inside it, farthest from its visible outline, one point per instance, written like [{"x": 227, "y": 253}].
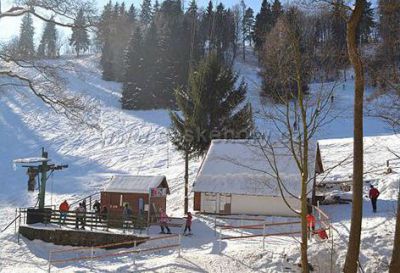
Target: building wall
[
  {"x": 115, "y": 201},
  {"x": 266, "y": 205},
  {"x": 245, "y": 204}
]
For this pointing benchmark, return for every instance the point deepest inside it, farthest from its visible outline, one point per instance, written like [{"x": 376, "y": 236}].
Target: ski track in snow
[{"x": 137, "y": 142}]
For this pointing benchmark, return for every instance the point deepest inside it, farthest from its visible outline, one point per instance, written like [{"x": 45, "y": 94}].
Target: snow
[
  {"x": 30, "y": 160},
  {"x": 136, "y": 143},
  {"x": 131, "y": 183},
  {"x": 337, "y": 158},
  {"x": 243, "y": 167}
]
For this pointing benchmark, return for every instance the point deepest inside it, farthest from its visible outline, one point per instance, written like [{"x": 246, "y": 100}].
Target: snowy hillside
[{"x": 136, "y": 142}]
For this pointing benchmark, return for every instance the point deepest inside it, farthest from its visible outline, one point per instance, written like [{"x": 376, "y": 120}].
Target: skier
[
  {"x": 188, "y": 224},
  {"x": 104, "y": 213},
  {"x": 64, "y": 208},
  {"x": 126, "y": 215},
  {"x": 80, "y": 214},
  {"x": 373, "y": 195},
  {"x": 310, "y": 224},
  {"x": 164, "y": 221},
  {"x": 96, "y": 208}
]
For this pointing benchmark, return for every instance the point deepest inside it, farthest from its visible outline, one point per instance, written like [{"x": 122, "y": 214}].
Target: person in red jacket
[
  {"x": 373, "y": 195},
  {"x": 64, "y": 208}
]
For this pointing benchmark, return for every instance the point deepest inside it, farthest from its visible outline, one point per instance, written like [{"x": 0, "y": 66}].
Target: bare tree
[
  {"x": 23, "y": 74},
  {"x": 297, "y": 116}
]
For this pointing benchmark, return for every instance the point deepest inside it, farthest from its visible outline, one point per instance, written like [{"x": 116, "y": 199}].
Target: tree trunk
[
  {"x": 394, "y": 266},
  {"x": 186, "y": 208},
  {"x": 352, "y": 257},
  {"x": 304, "y": 157}
]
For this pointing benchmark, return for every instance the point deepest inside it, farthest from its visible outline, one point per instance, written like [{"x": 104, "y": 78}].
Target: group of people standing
[{"x": 80, "y": 213}]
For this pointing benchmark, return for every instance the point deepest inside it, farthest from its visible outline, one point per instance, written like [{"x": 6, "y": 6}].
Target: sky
[{"x": 9, "y": 27}]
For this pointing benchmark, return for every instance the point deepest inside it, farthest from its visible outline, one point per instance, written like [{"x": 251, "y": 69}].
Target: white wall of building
[
  {"x": 248, "y": 204},
  {"x": 267, "y": 205}
]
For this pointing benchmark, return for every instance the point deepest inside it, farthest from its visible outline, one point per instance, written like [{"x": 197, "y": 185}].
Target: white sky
[{"x": 9, "y": 27}]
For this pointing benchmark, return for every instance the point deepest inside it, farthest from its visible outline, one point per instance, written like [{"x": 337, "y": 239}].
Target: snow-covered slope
[{"x": 136, "y": 142}]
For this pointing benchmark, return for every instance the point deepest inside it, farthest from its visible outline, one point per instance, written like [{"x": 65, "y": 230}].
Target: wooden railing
[{"x": 92, "y": 220}]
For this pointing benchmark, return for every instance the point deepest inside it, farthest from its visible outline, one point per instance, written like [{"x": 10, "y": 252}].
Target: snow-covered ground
[{"x": 136, "y": 142}]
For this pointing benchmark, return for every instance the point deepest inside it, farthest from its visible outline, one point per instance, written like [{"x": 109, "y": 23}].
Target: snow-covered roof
[
  {"x": 244, "y": 167},
  {"x": 135, "y": 184},
  {"x": 337, "y": 158}
]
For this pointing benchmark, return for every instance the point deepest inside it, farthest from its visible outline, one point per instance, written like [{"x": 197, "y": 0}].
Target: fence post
[
  {"x": 179, "y": 243},
  {"x": 263, "y": 236},
  {"x": 134, "y": 255},
  {"x": 220, "y": 241},
  {"x": 215, "y": 224},
  {"x": 91, "y": 258},
  {"x": 331, "y": 254},
  {"x": 241, "y": 224},
  {"x": 15, "y": 223},
  {"x": 49, "y": 269}
]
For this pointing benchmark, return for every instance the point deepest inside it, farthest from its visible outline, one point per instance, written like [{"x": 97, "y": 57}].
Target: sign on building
[{"x": 158, "y": 192}]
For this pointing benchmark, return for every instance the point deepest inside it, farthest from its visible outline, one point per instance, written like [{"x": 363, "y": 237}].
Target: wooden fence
[{"x": 135, "y": 251}]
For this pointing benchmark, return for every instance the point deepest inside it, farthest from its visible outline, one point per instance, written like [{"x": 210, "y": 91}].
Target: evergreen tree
[
  {"x": 171, "y": 61},
  {"x": 156, "y": 7},
  {"x": 134, "y": 94},
  {"x": 263, "y": 25},
  {"x": 247, "y": 25},
  {"x": 122, "y": 9},
  {"x": 367, "y": 23},
  {"x": 211, "y": 107},
  {"x": 146, "y": 13},
  {"x": 276, "y": 11},
  {"x": 48, "y": 43},
  {"x": 132, "y": 14},
  {"x": 104, "y": 38},
  {"x": 207, "y": 25},
  {"x": 338, "y": 38},
  {"x": 26, "y": 47},
  {"x": 389, "y": 21},
  {"x": 80, "y": 37}
]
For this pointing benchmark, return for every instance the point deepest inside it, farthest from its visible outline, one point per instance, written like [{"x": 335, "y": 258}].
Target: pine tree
[
  {"x": 156, "y": 7},
  {"x": 48, "y": 43},
  {"x": 146, "y": 13},
  {"x": 263, "y": 25},
  {"x": 132, "y": 14},
  {"x": 389, "y": 20},
  {"x": 276, "y": 11},
  {"x": 247, "y": 26},
  {"x": 210, "y": 107},
  {"x": 80, "y": 37},
  {"x": 134, "y": 94},
  {"x": 367, "y": 23},
  {"x": 26, "y": 47},
  {"x": 106, "y": 61},
  {"x": 338, "y": 39},
  {"x": 105, "y": 28}
]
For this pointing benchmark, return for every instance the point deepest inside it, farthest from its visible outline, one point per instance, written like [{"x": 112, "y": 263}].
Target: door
[
  {"x": 225, "y": 203},
  {"x": 141, "y": 206},
  {"x": 208, "y": 202}
]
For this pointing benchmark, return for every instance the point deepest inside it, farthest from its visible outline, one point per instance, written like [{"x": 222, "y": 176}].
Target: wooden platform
[{"x": 79, "y": 237}]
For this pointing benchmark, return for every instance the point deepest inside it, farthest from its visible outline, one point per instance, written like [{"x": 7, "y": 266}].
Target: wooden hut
[{"x": 141, "y": 193}]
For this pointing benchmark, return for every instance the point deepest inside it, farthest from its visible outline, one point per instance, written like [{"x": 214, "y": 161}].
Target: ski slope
[{"x": 136, "y": 142}]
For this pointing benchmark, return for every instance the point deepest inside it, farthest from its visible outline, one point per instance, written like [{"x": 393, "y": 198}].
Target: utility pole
[{"x": 44, "y": 168}]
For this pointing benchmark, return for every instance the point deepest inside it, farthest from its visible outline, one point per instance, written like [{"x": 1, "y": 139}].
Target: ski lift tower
[{"x": 41, "y": 172}]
